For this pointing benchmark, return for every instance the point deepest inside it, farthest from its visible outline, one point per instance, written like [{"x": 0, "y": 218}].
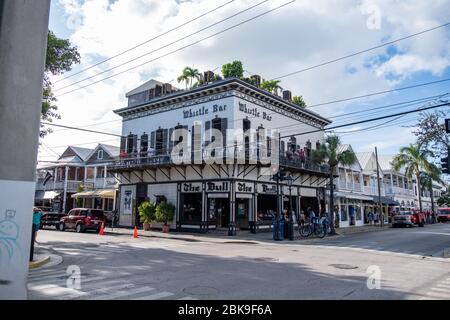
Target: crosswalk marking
[
  {"x": 155, "y": 296},
  {"x": 123, "y": 293},
  {"x": 85, "y": 294},
  {"x": 103, "y": 285}
]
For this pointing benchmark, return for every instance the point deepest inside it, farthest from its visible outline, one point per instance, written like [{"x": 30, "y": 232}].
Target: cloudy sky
[{"x": 299, "y": 35}]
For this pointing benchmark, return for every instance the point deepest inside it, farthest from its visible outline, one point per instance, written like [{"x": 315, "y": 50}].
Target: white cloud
[{"x": 300, "y": 35}]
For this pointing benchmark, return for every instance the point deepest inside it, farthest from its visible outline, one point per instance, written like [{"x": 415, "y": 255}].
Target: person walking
[{"x": 37, "y": 215}]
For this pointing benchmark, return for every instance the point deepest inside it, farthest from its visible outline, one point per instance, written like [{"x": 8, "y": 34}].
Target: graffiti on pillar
[{"x": 9, "y": 234}]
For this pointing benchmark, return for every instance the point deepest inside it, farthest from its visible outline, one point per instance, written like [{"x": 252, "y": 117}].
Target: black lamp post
[{"x": 290, "y": 181}]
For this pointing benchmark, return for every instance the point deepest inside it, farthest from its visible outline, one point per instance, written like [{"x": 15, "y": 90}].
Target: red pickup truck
[
  {"x": 409, "y": 218},
  {"x": 443, "y": 215}
]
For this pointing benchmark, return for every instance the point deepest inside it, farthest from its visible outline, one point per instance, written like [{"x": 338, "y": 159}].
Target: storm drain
[{"x": 343, "y": 266}]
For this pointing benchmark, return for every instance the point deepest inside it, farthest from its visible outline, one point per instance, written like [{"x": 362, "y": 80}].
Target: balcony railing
[
  {"x": 394, "y": 190},
  {"x": 134, "y": 161},
  {"x": 72, "y": 185}
]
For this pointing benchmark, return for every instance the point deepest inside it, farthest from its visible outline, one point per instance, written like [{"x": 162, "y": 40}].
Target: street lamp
[{"x": 290, "y": 181}]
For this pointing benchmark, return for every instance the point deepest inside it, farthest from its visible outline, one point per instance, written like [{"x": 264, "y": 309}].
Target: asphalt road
[{"x": 403, "y": 263}]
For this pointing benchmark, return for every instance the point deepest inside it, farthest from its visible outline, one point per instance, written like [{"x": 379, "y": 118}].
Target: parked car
[
  {"x": 50, "y": 218},
  {"x": 408, "y": 218},
  {"x": 443, "y": 215},
  {"x": 82, "y": 219}
]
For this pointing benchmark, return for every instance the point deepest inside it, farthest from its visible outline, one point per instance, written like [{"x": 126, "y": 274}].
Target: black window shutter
[
  {"x": 171, "y": 139},
  {"x": 123, "y": 144},
  {"x": 152, "y": 140},
  {"x": 207, "y": 133},
  {"x": 165, "y": 141},
  {"x": 134, "y": 142}
]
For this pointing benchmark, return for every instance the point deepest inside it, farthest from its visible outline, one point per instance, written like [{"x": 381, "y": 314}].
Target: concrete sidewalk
[{"x": 240, "y": 237}]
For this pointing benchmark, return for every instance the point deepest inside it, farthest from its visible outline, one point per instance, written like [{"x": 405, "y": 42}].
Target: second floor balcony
[
  {"x": 129, "y": 162},
  {"x": 69, "y": 185}
]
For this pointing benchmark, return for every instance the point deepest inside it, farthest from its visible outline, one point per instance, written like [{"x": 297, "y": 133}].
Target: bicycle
[{"x": 317, "y": 227}]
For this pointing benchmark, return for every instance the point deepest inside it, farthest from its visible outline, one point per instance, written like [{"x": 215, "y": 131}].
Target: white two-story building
[{"x": 237, "y": 193}]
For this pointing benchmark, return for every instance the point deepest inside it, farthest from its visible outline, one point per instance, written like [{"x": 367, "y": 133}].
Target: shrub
[
  {"x": 147, "y": 211},
  {"x": 165, "y": 212}
]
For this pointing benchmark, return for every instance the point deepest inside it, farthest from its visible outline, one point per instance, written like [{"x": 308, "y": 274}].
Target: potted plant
[
  {"x": 164, "y": 213},
  {"x": 147, "y": 211}
]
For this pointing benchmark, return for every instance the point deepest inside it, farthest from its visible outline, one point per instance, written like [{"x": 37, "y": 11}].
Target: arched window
[{"x": 100, "y": 154}]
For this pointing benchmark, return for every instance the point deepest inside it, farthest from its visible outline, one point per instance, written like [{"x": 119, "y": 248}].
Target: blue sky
[{"x": 303, "y": 34}]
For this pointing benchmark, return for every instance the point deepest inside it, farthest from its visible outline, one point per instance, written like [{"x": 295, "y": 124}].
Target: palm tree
[
  {"x": 332, "y": 153},
  {"x": 414, "y": 159},
  {"x": 427, "y": 179},
  {"x": 187, "y": 75},
  {"x": 271, "y": 86}
]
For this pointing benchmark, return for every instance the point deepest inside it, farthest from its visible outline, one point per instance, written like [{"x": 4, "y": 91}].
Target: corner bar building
[{"x": 236, "y": 196}]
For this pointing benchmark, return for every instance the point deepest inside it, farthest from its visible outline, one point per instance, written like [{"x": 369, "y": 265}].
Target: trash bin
[
  {"x": 275, "y": 229},
  {"x": 289, "y": 230},
  {"x": 281, "y": 227}
]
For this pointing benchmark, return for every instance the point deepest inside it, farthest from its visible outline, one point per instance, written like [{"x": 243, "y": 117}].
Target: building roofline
[{"x": 214, "y": 87}]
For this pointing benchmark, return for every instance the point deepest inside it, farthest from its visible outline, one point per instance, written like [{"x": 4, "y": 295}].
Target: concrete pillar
[{"x": 23, "y": 39}]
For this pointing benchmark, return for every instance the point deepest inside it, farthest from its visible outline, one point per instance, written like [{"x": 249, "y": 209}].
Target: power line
[
  {"x": 367, "y": 120},
  {"x": 81, "y": 129},
  {"x": 380, "y": 92},
  {"x": 147, "y": 41},
  {"x": 90, "y": 125},
  {"x": 181, "y": 48},
  {"x": 362, "y": 51},
  {"x": 162, "y": 47},
  {"x": 81, "y": 144}
]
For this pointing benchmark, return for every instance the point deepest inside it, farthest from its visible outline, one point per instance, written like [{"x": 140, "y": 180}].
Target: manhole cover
[
  {"x": 343, "y": 266},
  {"x": 266, "y": 259},
  {"x": 201, "y": 290}
]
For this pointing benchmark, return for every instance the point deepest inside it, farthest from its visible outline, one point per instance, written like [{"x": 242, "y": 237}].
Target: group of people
[
  {"x": 373, "y": 217},
  {"x": 297, "y": 154}
]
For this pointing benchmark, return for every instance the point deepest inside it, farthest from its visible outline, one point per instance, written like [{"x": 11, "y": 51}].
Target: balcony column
[
  {"x": 65, "y": 189},
  {"x": 345, "y": 177},
  {"x": 55, "y": 174},
  {"x": 353, "y": 181},
  {"x": 361, "y": 181},
  {"x": 104, "y": 176},
  {"x": 95, "y": 175}
]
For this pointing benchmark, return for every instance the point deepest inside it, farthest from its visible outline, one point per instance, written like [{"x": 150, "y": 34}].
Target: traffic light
[
  {"x": 445, "y": 165},
  {"x": 447, "y": 125}
]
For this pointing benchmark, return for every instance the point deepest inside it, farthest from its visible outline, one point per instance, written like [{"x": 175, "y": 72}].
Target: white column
[
  {"x": 104, "y": 176},
  {"x": 65, "y": 188}
]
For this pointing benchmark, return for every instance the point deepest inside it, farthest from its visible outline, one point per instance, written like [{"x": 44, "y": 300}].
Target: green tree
[
  {"x": 271, "y": 85},
  {"x": 60, "y": 58},
  {"x": 80, "y": 188},
  {"x": 427, "y": 179},
  {"x": 444, "y": 199},
  {"x": 414, "y": 159},
  {"x": 188, "y": 75},
  {"x": 332, "y": 154},
  {"x": 430, "y": 131},
  {"x": 298, "y": 100},
  {"x": 233, "y": 69}
]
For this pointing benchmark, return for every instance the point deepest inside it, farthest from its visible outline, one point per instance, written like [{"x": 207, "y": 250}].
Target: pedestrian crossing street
[
  {"x": 440, "y": 292},
  {"x": 107, "y": 285}
]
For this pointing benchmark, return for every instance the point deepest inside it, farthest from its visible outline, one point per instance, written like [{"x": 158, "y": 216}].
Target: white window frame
[{"x": 98, "y": 154}]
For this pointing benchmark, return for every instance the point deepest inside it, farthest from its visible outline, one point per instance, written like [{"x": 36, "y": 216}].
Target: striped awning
[{"x": 100, "y": 193}]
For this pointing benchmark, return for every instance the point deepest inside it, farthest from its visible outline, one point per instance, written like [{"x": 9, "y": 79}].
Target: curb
[{"x": 39, "y": 263}]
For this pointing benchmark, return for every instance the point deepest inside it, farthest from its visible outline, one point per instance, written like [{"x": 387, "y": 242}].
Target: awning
[
  {"x": 387, "y": 201},
  {"x": 46, "y": 195},
  {"x": 100, "y": 193},
  {"x": 354, "y": 196}
]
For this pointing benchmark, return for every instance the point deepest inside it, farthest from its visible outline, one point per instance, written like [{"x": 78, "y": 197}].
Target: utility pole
[
  {"x": 379, "y": 189},
  {"x": 23, "y": 42}
]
